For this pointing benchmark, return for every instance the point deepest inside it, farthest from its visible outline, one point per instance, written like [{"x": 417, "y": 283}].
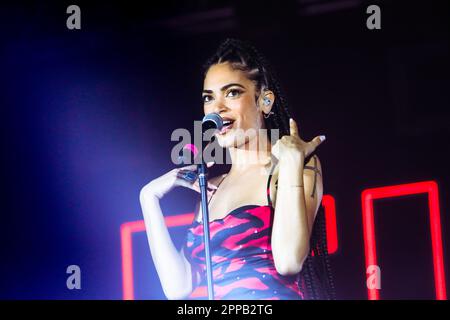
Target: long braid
[
  {"x": 316, "y": 280},
  {"x": 317, "y": 268}
]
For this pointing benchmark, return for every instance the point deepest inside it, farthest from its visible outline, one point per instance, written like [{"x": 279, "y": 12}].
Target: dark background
[{"x": 87, "y": 117}]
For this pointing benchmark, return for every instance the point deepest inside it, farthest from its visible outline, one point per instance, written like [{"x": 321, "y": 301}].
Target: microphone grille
[{"x": 212, "y": 120}]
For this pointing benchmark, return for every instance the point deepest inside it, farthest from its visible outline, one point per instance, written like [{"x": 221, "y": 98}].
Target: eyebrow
[{"x": 225, "y": 87}]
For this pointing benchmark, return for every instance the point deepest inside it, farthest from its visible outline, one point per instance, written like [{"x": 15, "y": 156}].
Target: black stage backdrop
[{"x": 87, "y": 117}]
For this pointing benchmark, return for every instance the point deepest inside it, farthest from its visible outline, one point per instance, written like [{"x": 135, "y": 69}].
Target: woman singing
[{"x": 266, "y": 223}]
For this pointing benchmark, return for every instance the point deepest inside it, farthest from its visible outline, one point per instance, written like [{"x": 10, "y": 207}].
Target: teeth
[{"x": 227, "y": 122}]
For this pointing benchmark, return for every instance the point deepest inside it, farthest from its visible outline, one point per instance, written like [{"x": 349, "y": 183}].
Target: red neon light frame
[
  {"x": 126, "y": 231},
  {"x": 128, "y": 228},
  {"x": 429, "y": 187},
  {"x": 329, "y": 205}
]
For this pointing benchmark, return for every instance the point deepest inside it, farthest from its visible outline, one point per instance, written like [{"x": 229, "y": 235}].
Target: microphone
[
  {"x": 212, "y": 121},
  {"x": 191, "y": 151}
]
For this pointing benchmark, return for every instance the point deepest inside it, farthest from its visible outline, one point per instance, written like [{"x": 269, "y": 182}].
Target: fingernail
[
  {"x": 322, "y": 138},
  {"x": 290, "y": 120}
]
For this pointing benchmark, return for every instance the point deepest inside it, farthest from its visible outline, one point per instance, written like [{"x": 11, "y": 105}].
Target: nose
[{"x": 218, "y": 107}]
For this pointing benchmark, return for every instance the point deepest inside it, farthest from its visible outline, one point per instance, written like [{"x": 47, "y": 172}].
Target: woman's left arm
[{"x": 298, "y": 198}]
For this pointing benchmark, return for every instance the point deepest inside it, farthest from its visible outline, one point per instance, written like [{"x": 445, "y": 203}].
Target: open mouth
[{"x": 227, "y": 125}]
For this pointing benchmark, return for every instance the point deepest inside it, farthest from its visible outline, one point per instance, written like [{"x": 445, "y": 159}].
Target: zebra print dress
[{"x": 241, "y": 254}]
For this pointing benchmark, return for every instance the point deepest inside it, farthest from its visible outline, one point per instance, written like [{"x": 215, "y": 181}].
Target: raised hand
[{"x": 292, "y": 147}]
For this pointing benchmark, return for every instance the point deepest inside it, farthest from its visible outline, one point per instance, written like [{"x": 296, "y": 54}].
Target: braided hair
[{"x": 315, "y": 279}]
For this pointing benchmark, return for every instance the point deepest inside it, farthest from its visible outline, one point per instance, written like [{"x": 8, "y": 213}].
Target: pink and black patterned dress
[{"x": 241, "y": 254}]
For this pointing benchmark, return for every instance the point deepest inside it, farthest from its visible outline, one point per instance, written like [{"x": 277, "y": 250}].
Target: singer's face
[{"x": 231, "y": 94}]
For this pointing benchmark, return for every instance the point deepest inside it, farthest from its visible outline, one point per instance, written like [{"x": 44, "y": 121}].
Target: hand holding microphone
[{"x": 185, "y": 176}]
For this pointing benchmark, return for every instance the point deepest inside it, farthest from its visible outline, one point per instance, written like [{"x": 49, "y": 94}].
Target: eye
[
  {"x": 206, "y": 98},
  {"x": 233, "y": 93}
]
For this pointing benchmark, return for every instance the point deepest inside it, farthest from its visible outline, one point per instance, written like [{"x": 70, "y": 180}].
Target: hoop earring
[{"x": 267, "y": 115}]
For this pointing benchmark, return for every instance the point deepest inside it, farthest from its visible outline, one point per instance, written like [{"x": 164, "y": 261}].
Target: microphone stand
[
  {"x": 203, "y": 182},
  {"x": 210, "y": 121}
]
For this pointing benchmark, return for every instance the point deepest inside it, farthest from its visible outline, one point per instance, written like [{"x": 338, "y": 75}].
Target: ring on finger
[{"x": 187, "y": 175}]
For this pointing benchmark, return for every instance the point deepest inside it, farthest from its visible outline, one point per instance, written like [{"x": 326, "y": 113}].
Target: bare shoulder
[
  {"x": 215, "y": 180},
  {"x": 273, "y": 187},
  {"x": 313, "y": 178},
  {"x": 313, "y": 166},
  {"x": 312, "y": 173}
]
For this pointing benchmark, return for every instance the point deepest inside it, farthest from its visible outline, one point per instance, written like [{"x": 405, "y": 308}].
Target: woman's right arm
[{"x": 173, "y": 269}]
